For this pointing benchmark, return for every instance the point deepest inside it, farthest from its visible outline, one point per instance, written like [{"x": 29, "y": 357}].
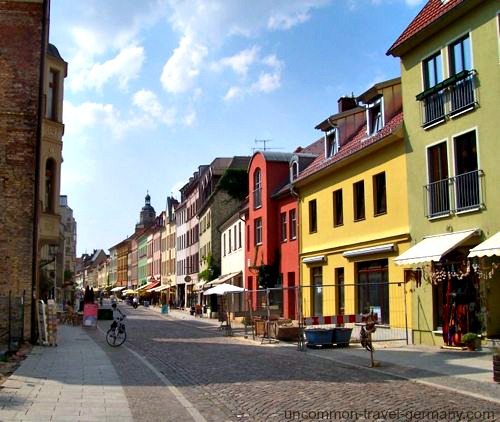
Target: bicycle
[{"x": 117, "y": 334}]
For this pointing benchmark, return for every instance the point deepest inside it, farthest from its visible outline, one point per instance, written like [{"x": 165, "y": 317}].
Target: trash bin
[
  {"x": 164, "y": 309},
  {"x": 341, "y": 336},
  {"x": 145, "y": 303},
  {"x": 319, "y": 336}
]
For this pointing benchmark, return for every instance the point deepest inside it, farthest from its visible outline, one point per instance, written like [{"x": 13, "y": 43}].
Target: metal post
[
  {"x": 406, "y": 314},
  {"x": 10, "y": 323}
]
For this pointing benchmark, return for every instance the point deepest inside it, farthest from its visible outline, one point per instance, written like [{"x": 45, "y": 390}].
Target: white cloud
[
  {"x": 125, "y": 66},
  {"x": 149, "y": 103},
  {"x": 182, "y": 69},
  {"x": 269, "y": 80},
  {"x": 190, "y": 118},
  {"x": 102, "y": 118},
  {"x": 204, "y": 26},
  {"x": 240, "y": 62}
]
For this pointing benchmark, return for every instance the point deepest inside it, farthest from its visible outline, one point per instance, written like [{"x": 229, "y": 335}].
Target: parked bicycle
[{"x": 117, "y": 334}]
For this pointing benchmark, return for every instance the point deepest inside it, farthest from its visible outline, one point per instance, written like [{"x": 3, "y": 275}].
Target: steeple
[{"x": 147, "y": 215}]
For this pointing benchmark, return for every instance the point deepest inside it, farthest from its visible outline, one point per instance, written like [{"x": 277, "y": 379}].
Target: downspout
[
  {"x": 298, "y": 296},
  {"x": 38, "y": 149}
]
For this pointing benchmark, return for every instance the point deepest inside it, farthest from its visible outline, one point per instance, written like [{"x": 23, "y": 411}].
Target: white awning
[
  {"x": 221, "y": 279},
  {"x": 489, "y": 247},
  {"x": 117, "y": 289},
  {"x": 160, "y": 288},
  {"x": 432, "y": 248},
  {"x": 369, "y": 251}
]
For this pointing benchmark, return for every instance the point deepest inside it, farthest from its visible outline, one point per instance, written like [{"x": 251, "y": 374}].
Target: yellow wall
[
  {"x": 330, "y": 241},
  {"x": 481, "y": 24}
]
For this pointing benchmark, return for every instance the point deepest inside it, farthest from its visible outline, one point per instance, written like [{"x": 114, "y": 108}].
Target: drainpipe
[
  {"x": 298, "y": 296},
  {"x": 38, "y": 150}
]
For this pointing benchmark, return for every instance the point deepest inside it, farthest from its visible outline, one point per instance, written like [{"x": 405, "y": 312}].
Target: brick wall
[{"x": 20, "y": 55}]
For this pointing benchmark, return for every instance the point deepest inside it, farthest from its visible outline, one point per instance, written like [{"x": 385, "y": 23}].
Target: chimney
[{"x": 346, "y": 103}]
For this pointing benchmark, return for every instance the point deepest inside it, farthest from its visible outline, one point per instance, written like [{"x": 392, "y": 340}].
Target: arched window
[
  {"x": 50, "y": 182},
  {"x": 257, "y": 189},
  {"x": 294, "y": 170}
]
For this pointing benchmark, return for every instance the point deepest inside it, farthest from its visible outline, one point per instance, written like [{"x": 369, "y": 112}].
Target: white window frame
[
  {"x": 379, "y": 102},
  {"x": 331, "y": 147}
]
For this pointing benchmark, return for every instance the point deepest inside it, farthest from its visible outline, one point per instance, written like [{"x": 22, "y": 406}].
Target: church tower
[{"x": 148, "y": 214}]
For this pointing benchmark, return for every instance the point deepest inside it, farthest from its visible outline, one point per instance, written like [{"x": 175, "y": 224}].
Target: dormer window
[
  {"x": 375, "y": 116},
  {"x": 294, "y": 170},
  {"x": 331, "y": 142}
]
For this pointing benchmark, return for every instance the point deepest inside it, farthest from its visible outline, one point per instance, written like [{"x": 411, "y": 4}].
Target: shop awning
[
  {"x": 153, "y": 285},
  {"x": 432, "y": 248},
  {"x": 221, "y": 279},
  {"x": 144, "y": 287},
  {"x": 117, "y": 289},
  {"x": 489, "y": 247},
  {"x": 160, "y": 288}
]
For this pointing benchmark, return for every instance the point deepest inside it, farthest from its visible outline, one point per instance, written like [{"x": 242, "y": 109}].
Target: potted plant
[
  {"x": 496, "y": 364},
  {"x": 469, "y": 339}
]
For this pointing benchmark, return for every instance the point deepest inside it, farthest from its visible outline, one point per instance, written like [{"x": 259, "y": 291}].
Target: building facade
[{"x": 449, "y": 69}]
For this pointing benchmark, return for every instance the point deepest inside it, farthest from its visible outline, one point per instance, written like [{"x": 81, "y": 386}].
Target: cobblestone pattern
[{"x": 231, "y": 379}]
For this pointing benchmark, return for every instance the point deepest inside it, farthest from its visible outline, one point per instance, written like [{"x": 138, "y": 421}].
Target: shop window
[
  {"x": 379, "y": 194},
  {"x": 338, "y": 208},
  {"x": 317, "y": 291},
  {"x": 359, "y": 201},
  {"x": 373, "y": 289},
  {"x": 313, "y": 217}
]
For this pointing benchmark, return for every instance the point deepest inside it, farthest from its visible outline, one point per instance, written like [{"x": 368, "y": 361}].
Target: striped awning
[{"x": 489, "y": 247}]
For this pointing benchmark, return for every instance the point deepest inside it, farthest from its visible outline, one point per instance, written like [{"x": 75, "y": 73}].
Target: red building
[{"x": 272, "y": 248}]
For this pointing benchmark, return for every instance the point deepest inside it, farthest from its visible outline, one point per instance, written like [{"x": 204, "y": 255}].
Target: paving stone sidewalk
[{"x": 74, "y": 381}]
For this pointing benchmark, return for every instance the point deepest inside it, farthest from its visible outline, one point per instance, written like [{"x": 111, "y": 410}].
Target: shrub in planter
[{"x": 469, "y": 339}]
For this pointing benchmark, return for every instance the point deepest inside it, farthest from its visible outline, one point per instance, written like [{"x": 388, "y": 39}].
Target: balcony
[
  {"x": 448, "y": 98},
  {"x": 454, "y": 195}
]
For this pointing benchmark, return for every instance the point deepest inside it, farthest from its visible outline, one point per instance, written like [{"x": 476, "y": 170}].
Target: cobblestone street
[{"x": 227, "y": 378}]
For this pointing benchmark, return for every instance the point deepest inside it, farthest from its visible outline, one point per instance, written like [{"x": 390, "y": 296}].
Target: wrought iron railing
[
  {"x": 449, "y": 97},
  {"x": 455, "y": 194}
]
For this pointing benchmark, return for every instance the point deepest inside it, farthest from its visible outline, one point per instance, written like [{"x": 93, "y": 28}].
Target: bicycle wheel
[{"x": 115, "y": 338}]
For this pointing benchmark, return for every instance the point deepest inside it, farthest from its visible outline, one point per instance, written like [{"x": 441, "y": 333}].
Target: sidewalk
[
  {"x": 71, "y": 382},
  {"x": 469, "y": 373}
]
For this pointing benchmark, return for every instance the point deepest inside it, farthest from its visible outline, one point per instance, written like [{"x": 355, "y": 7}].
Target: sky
[{"x": 156, "y": 88}]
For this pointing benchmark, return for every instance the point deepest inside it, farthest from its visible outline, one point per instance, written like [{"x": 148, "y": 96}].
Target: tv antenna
[{"x": 264, "y": 143}]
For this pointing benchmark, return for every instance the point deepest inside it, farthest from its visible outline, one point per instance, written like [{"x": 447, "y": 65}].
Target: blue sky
[{"x": 156, "y": 88}]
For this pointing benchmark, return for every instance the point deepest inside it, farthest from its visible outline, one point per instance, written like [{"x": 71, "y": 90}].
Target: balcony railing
[
  {"x": 455, "y": 194},
  {"x": 449, "y": 97}
]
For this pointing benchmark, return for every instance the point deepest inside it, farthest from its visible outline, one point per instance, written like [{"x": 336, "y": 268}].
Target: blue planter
[{"x": 319, "y": 336}]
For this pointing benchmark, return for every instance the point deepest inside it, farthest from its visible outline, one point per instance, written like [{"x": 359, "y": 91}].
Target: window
[
  {"x": 373, "y": 289},
  {"x": 50, "y": 170},
  {"x": 257, "y": 189},
  {"x": 293, "y": 224},
  {"x": 317, "y": 291},
  {"x": 239, "y": 235},
  {"x": 438, "y": 196},
  {"x": 52, "y": 94},
  {"x": 258, "y": 231},
  {"x": 359, "y": 201},
  {"x": 379, "y": 194},
  {"x": 331, "y": 142},
  {"x": 338, "y": 208},
  {"x": 230, "y": 242},
  {"x": 433, "y": 71},
  {"x": 339, "y": 281},
  {"x": 248, "y": 237},
  {"x": 467, "y": 193},
  {"x": 235, "y": 237},
  {"x": 224, "y": 243},
  {"x": 375, "y": 116},
  {"x": 313, "y": 223},
  {"x": 460, "y": 55},
  {"x": 283, "y": 231}
]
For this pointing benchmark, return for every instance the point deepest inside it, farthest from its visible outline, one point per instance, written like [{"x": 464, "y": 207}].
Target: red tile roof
[
  {"x": 357, "y": 143},
  {"x": 430, "y": 13}
]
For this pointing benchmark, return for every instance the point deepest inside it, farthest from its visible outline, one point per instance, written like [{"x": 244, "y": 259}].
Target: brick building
[{"x": 23, "y": 45}]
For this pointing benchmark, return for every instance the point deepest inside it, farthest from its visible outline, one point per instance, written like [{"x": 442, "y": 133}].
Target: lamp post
[{"x": 53, "y": 249}]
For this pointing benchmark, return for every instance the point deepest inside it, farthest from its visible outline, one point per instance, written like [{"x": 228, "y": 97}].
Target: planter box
[
  {"x": 319, "y": 336},
  {"x": 288, "y": 333},
  {"x": 341, "y": 336}
]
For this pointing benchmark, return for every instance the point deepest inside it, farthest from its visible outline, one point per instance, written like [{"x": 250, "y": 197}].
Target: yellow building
[
  {"x": 353, "y": 213},
  {"x": 450, "y": 77}
]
